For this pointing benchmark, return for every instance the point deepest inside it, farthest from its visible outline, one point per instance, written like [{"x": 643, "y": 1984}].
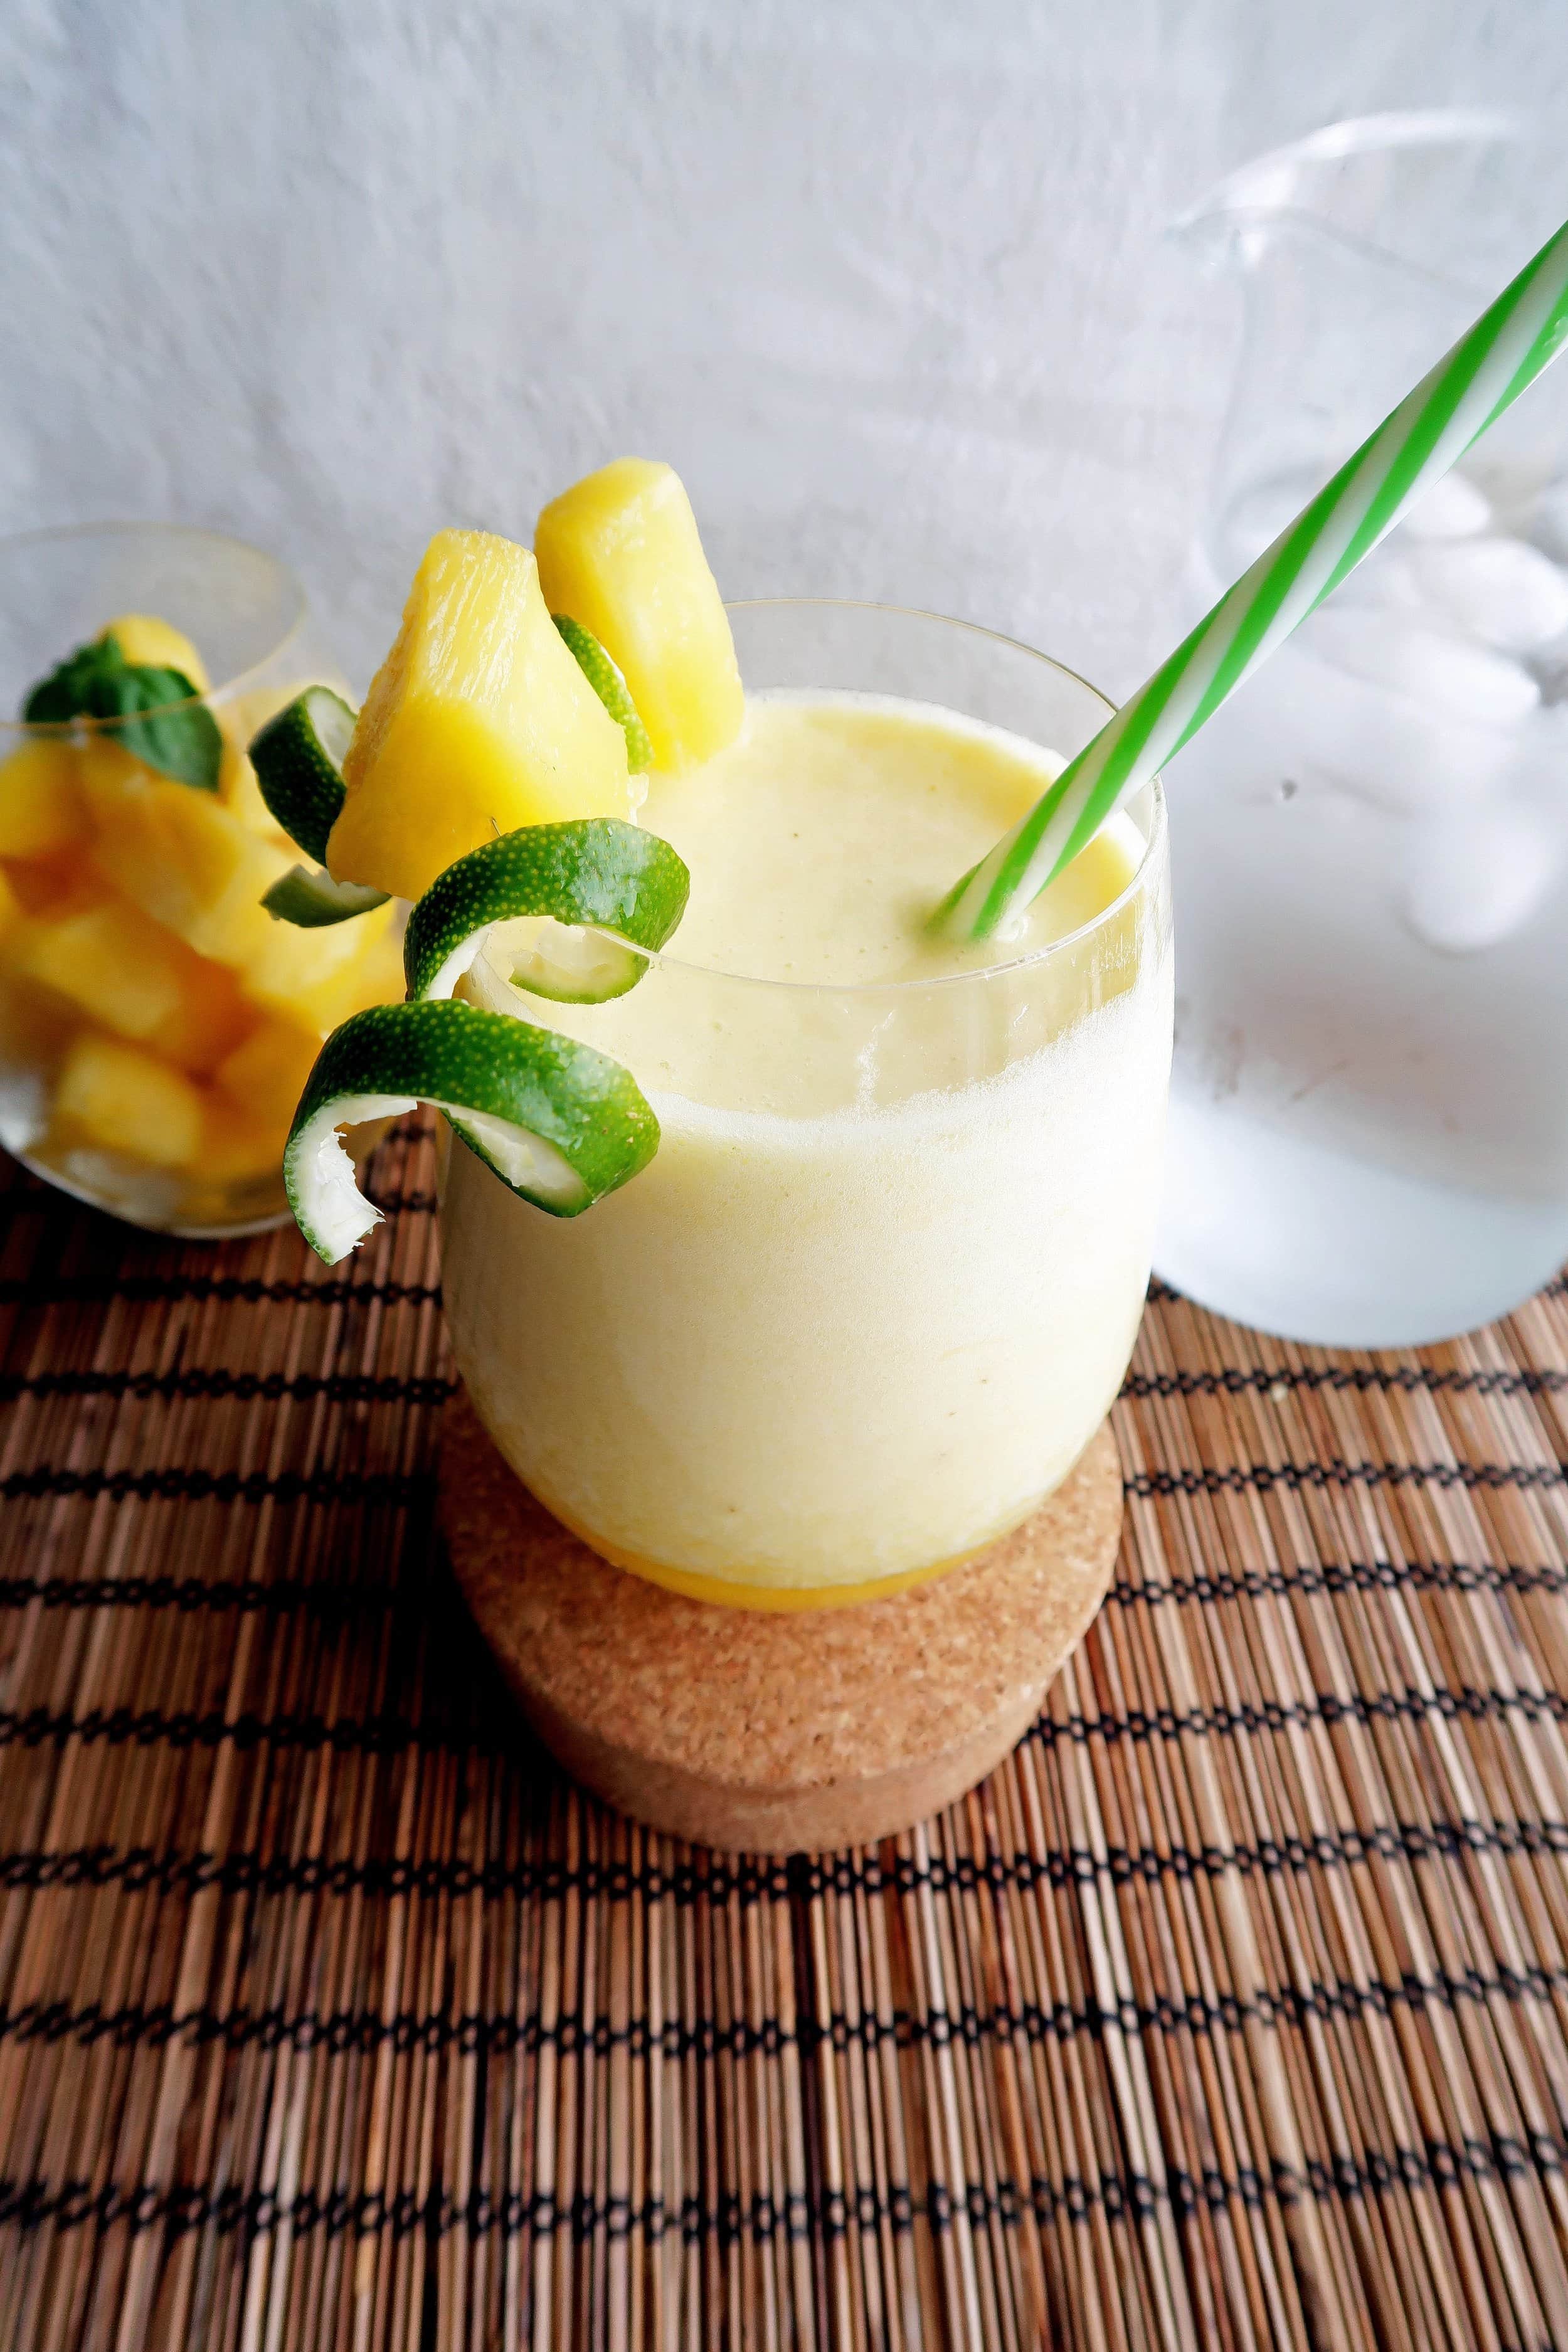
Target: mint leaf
[
  {"x": 183, "y": 743},
  {"x": 159, "y": 719},
  {"x": 69, "y": 692}
]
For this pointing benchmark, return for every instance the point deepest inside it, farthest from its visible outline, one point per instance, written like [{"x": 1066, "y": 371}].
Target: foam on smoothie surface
[{"x": 820, "y": 839}]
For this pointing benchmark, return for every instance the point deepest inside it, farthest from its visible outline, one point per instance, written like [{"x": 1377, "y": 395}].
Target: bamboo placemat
[{"x": 1233, "y": 2011}]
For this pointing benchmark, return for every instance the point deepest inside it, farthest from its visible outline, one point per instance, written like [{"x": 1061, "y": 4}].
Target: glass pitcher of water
[{"x": 1368, "y": 1136}]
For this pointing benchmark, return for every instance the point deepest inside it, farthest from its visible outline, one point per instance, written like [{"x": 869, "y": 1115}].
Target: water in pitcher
[{"x": 1369, "y": 1137}]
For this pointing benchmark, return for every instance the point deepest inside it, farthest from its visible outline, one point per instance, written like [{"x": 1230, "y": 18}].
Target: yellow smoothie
[{"x": 878, "y": 1286}]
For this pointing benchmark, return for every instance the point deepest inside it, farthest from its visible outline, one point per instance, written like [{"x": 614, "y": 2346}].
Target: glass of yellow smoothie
[{"x": 875, "y": 1292}]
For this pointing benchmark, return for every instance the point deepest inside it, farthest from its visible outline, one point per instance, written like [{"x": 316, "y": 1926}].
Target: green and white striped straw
[{"x": 1432, "y": 428}]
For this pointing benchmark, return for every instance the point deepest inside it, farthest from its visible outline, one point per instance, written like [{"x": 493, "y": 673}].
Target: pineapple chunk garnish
[
  {"x": 620, "y": 553},
  {"x": 128, "y": 1101},
  {"x": 40, "y": 799},
  {"x": 479, "y": 721}
]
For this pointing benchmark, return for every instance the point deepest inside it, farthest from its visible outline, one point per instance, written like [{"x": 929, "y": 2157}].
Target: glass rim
[
  {"x": 1348, "y": 140},
  {"x": 1036, "y": 957},
  {"x": 1247, "y": 201},
  {"x": 221, "y": 690}
]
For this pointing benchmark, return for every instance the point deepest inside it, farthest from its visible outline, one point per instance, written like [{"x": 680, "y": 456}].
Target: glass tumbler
[
  {"x": 878, "y": 1287},
  {"x": 156, "y": 1024}
]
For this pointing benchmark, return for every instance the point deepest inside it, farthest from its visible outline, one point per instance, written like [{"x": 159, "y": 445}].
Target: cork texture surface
[{"x": 734, "y": 1718}]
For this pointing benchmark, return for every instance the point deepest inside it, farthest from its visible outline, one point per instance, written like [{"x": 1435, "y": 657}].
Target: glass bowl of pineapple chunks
[{"x": 156, "y": 1022}]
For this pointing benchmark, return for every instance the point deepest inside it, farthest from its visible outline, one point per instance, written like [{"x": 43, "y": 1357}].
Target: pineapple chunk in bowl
[{"x": 156, "y": 1024}]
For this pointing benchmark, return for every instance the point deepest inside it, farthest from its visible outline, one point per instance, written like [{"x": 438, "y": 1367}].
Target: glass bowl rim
[
  {"x": 1153, "y": 841},
  {"x": 222, "y": 690}
]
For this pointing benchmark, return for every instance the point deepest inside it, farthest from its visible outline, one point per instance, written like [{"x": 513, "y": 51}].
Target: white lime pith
[
  {"x": 559, "y": 910},
  {"x": 308, "y": 897},
  {"x": 558, "y": 1122}
]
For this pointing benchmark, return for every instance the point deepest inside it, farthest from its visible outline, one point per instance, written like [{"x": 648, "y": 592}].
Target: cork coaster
[{"x": 774, "y": 1733}]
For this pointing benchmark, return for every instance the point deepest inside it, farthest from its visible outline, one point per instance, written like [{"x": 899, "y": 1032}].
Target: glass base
[
  {"x": 1312, "y": 1245},
  {"x": 733, "y": 1592},
  {"x": 729, "y": 1592},
  {"x": 177, "y": 1229}
]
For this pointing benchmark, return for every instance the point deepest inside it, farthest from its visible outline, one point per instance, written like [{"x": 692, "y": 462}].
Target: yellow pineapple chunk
[
  {"x": 110, "y": 961},
  {"x": 376, "y": 977},
  {"x": 241, "y": 795},
  {"x": 186, "y": 860},
  {"x": 146, "y": 641},
  {"x": 236, "y": 1145},
  {"x": 53, "y": 885},
  {"x": 40, "y": 798},
  {"x": 34, "y": 1024},
  {"x": 128, "y": 1101},
  {"x": 241, "y": 717},
  {"x": 293, "y": 967},
  {"x": 106, "y": 774},
  {"x": 318, "y": 1003},
  {"x": 34, "y": 1021},
  {"x": 619, "y": 553},
  {"x": 267, "y": 1074},
  {"x": 209, "y": 1022},
  {"x": 479, "y": 720}
]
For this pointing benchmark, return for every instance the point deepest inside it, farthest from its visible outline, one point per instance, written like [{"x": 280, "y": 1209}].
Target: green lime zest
[
  {"x": 605, "y": 678},
  {"x": 558, "y": 909},
  {"x": 298, "y": 761},
  {"x": 156, "y": 713},
  {"x": 558, "y": 1122},
  {"x": 308, "y": 896}
]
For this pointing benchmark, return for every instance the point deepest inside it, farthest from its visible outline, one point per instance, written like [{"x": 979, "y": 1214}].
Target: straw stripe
[{"x": 1444, "y": 415}]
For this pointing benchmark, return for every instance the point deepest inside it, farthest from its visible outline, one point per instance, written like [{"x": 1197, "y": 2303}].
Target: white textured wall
[{"x": 883, "y": 277}]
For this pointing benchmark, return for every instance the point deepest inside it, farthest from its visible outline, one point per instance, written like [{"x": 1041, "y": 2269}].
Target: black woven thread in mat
[{"x": 1233, "y": 2011}]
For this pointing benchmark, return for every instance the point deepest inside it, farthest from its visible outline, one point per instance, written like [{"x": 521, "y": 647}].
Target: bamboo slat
[{"x": 1233, "y": 2011}]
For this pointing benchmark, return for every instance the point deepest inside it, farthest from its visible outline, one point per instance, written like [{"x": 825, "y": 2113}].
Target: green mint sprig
[{"x": 155, "y": 712}]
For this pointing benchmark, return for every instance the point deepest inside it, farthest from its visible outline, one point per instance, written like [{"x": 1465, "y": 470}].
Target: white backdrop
[{"x": 884, "y": 279}]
